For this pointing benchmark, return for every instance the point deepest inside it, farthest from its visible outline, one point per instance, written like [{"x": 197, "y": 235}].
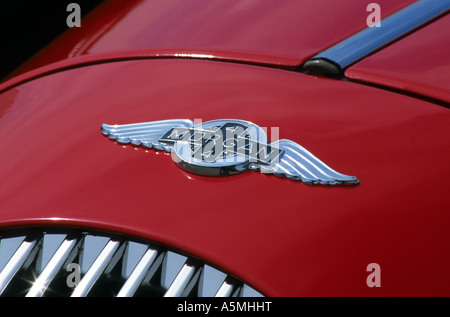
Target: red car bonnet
[
  {"x": 284, "y": 238},
  {"x": 281, "y": 33},
  {"x": 418, "y": 63}
]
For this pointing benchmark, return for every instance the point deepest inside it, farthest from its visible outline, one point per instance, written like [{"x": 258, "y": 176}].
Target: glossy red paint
[
  {"x": 284, "y": 238},
  {"x": 282, "y": 33},
  {"x": 418, "y": 63}
]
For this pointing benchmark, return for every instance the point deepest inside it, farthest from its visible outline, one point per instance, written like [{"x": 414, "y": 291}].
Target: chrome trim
[
  {"x": 97, "y": 268},
  {"x": 230, "y": 288},
  {"x": 188, "y": 277},
  {"x": 28, "y": 249},
  {"x": 148, "y": 261},
  {"x": 36, "y": 264},
  {"x": 371, "y": 39},
  {"x": 58, "y": 259}
]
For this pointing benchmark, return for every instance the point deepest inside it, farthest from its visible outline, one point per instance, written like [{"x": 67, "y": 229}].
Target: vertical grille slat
[
  {"x": 28, "y": 249},
  {"x": 97, "y": 268},
  {"x": 66, "y": 262},
  {"x": 52, "y": 268},
  {"x": 188, "y": 277}
]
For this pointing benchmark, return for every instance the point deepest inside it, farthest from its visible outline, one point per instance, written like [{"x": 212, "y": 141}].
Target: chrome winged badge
[{"x": 224, "y": 147}]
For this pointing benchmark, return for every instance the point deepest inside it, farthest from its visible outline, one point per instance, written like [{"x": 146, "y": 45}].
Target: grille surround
[{"x": 34, "y": 262}]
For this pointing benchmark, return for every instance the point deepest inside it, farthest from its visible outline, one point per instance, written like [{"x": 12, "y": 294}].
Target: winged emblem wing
[
  {"x": 297, "y": 163},
  {"x": 146, "y": 134}
]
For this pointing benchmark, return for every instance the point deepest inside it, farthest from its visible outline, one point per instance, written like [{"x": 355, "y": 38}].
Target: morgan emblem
[{"x": 226, "y": 147}]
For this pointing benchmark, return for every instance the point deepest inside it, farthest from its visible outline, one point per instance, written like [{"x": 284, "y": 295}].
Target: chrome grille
[{"x": 39, "y": 262}]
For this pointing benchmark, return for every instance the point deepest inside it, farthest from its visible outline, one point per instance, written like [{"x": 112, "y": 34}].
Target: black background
[{"x": 27, "y": 26}]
